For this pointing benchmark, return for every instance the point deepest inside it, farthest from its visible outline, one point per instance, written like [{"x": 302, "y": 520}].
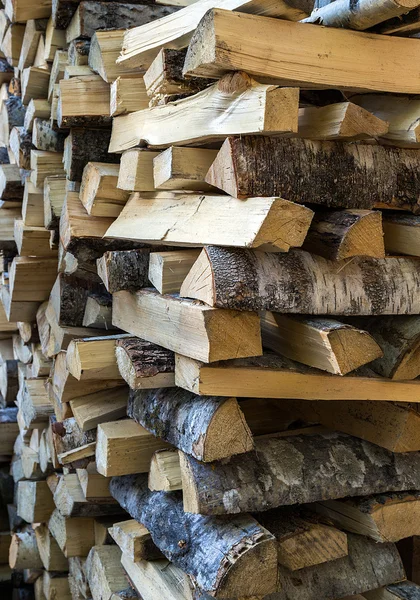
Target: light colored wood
[
  {"x": 36, "y": 109},
  {"x": 34, "y": 501},
  {"x": 57, "y": 71},
  {"x": 31, "y": 279},
  {"x": 33, "y": 241},
  {"x": 194, "y": 220},
  {"x": 22, "y": 10},
  {"x": 51, "y": 554},
  {"x": 99, "y": 193},
  {"x": 56, "y": 587},
  {"x": 33, "y": 205},
  {"x": 24, "y": 552},
  {"x": 75, "y": 536},
  {"x": 136, "y": 171},
  {"x": 76, "y": 223},
  {"x": 131, "y": 538},
  {"x": 183, "y": 169},
  {"x": 99, "y": 407},
  {"x": 94, "y": 485},
  {"x": 165, "y": 471},
  {"x": 104, "y": 572},
  {"x": 341, "y": 121},
  {"x": 307, "y": 46},
  {"x": 34, "y": 403},
  {"x": 105, "y": 48},
  {"x": 128, "y": 94},
  {"x": 167, "y": 270},
  {"x": 247, "y": 107},
  {"x": 319, "y": 342},
  {"x": 124, "y": 447},
  {"x": 73, "y": 456},
  {"x": 34, "y": 84},
  {"x": 278, "y": 377},
  {"x": 93, "y": 358},
  {"x": 45, "y": 164},
  {"x": 187, "y": 327},
  {"x": 54, "y": 196},
  {"x": 7, "y": 223},
  {"x": 33, "y": 33},
  {"x": 83, "y": 100},
  {"x": 142, "y": 44},
  {"x": 12, "y": 43},
  {"x": 41, "y": 365},
  {"x": 157, "y": 579},
  {"x": 97, "y": 315},
  {"x": 55, "y": 39},
  {"x": 10, "y": 182},
  {"x": 402, "y": 234}
]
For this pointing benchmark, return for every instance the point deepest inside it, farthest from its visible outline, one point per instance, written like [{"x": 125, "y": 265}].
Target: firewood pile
[{"x": 210, "y": 300}]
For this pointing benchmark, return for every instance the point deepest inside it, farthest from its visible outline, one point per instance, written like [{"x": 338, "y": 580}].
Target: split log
[
  {"x": 98, "y": 313},
  {"x": 34, "y": 501},
  {"x": 9, "y": 381},
  {"x": 99, "y": 407},
  {"x": 33, "y": 241},
  {"x": 37, "y": 108},
  {"x": 333, "y": 174},
  {"x": 24, "y": 552},
  {"x": 112, "y": 15},
  {"x": 134, "y": 540},
  {"x": 342, "y": 234},
  {"x": 128, "y": 94},
  {"x": 180, "y": 168},
  {"x": 251, "y": 549},
  {"x": 20, "y": 142},
  {"x": 9, "y": 430},
  {"x": 144, "y": 313},
  {"x": 384, "y": 518},
  {"x": 105, "y": 49},
  {"x": 50, "y": 553},
  {"x": 83, "y": 146},
  {"x": 33, "y": 205},
  {"x": 136, "y": 170},
  {"x": 12, "y": 42},
  {"x": 94, "y": 357},
  {"x": 56, "y": 586},
  {"x": 319, "y": 342},
  {"x": 11, "y": 187},
  {"x": 34, "y": 402},
  {"x": 12, "y": 114},
  {"x": 83, "y": 102},
  {"x": 94, "y": 485},
  {"x": 167, "y": 270},
  {"x": 142, "y": 44},
  {"x": 195, "y": 220},
  {"x": 307, "y": 44},
  {"x": 34, "y": 30},
  {"x": 272, "y": 376},
  {"x": 247, "y": 107},
  {"x": 145, "y": 365},
  {"x": 70, "y": 501},
  {"x": 54, "y": 196},
  {"x": 75, "y": 536},
  {"x": 44, "y": 137},
  {"x": 165, "y": 471},
  {"x": 99, "y": 193},
  {"x": 34, "y": 84},
  {"x": 45, "y": 164},
  {"x": 104, "y": 571},
  {"x": 365, "y": 15},
  {"x": 124, "y": 270},
  {"x": 232, "y": 487},
  {"x": 57, "y": 74},
  {"x": 299, "y": 282},
  {"x": 23, "y": 10},
  {"x": 208, "y": 428},
  {"x": 78, "y": 51},
  {"x": 55, "y": 39},
  {"x": 402, "y": 234}
]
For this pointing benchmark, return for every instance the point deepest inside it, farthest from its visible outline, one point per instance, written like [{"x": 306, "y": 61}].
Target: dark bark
[
  {"x": 185, "y": 420},
  {"x": 46, "y": 138},
  {"x": 296, "y": 470},
  {"x": 78, "y": 49},
  {"x": 4, "y": 157},
  {"x": 73, "y": 292},
  {"x": 15, "y": 112},
  {"x": 88, "y": 250},
  {"x": 87, "y": 145},
  {"x": 202, "y": 546},
  {"x": 404, "y": 26},
  {"x": 146, "y": 358},
  {"x": 8, "y": 415},
  {"x": 126, "y": 270},
  {"x": 335, "y": 174},
  {"x": 63, "y": 11},
  {"x": 67, "y": 435},
  {"x": 173, "y": 63}
]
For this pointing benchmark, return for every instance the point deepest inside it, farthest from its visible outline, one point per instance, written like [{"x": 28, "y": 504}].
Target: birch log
[
  {"x": 217, "y": 553},
  {"x": 335, "y": 174},
  {"x": 295, "y": 470},
  {"x": 299, "y": 282},
  {"x": 208, "y": 428}
]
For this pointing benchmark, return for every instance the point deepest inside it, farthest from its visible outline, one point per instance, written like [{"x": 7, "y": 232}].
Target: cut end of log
[
  {"x": 365, "y": 237},
  {"x": 199, "y": 282},
  {"x": 228, "y": 433},
  {"x": 353, "y": 348}
]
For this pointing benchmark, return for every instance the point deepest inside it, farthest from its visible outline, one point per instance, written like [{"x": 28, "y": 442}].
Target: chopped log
[
  {"x": 79, "y": 586},
  {"x": 99, "y": 407},
  {"x": 98, "y": 313},
  {"x": 383, "y": 517},
  {"x": 180, "y": 168},
  {"x": 145, "y": 365},
  {"x": 44, "y": 137},
  {"x": 9, "y": 381},
  {"x": 34, "y": 501},
  {"x": 34, "y": 30},
  {"x": 84, "y": 102},
  {"x": 136, "y": 170},
  {"x": 21, "y": 351},
  {"x": 128, "y": 94},
  {"x": 142, "y": 44},
  {"x": 124, "y": 447},
  {"x": 231, "y": 487},
  {"x": 104, "y": 50},
  {"x": 50, "y": 553},
  {"x": 20, "y": 142},
  {"x": 208, "y": 428},
  {"x": 238, "y": 279},
  {"x": 104, "y": 571},
  {"x": 11, "y": 187},
  {"x": 34, "y": 402},
  {"x": 9, "y": 430},
  {"x": 83, "y": 146},
  {"x": 33, "y": 205},
  {"x": 54, "y": 196},
  {"x": 272, "y": 376},
  {"x": 78, "y": 51},
  {"x": 92, "y": 16},
  {"x": 167, "y": 270},
  {"x": 56, "y": 586},
  {"x": 75, "y": 536},
  {"x": 55, "y": 39},
  {"x": 70, "y": 501},
  {"x": 12, "y": 42},
  {"x": 33, "y": 241},
  {"x": 24, "y": 553},
  {"x": 196, "y": 220},
  {"x": 57, "y": 74},
  {"x": 23, "y": 10},
  {"x": 342, "y": 234},
  {"x": 307, "y": 44},
  {"x": 37, "y": 108},
  {"x": 274, "y": 111},
  {"x": 94, "y": 358},
  {"x": 99, "y": 193},
  {"x": 34, "y": 84},
  {"x": 134, "y": 540},
  {"x": 250, "y": 547},
  {"x": 165, "y": 471},
  {"x": 163, "y": 320},
  {"x": 319, "y": 342},
  {"x": 402, "y": 234},
  {"x": 365, "y": 15},
  {"x": 94, "y": 485},
  {"x": 12, "y": 114},
  {"x": 45, "y": 164},
  {"x": 124, "y": 270},
  {"x": 333, "y": 174}
]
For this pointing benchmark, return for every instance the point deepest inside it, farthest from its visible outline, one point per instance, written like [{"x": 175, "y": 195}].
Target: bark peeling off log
[{"x": 211, "y": 550}]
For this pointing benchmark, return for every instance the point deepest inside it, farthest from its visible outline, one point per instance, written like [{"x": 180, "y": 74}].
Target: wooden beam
[
  {"x": 145, "y": 365},
  {"x": 335, "y": 174},
  {"x": 208, "y": 428},
  {"x": 144, "y": 313},
  {"x": 248, "y": 108},
  {"x": 272, "y": 223},
  {"x": 307, "y": 44},
  {"x": 274, "y": 376},
  {"x": 214, "y": 276},
  {"x": 230, "y": 487}
]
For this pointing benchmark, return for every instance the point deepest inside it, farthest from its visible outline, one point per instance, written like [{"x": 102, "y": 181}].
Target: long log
[
  {"x": 208, "y": 428},
  {"x": 299, "y": 282},
  {"x": 295, "y": 469},
  {"x": 334, "y": 174},
  {"x": 217, "y": 553},
  {"x": 301, "y": 59}
]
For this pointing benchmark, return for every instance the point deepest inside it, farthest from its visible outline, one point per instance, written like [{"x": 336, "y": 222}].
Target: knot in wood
[{"x": 182, "y": 543}]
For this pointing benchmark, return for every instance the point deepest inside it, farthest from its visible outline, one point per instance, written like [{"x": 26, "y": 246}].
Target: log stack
[{"x": 210, "y": 314}]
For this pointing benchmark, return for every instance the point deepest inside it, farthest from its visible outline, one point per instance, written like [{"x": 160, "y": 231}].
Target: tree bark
[
  {"x": 83, "y": 146},
  {"x": 335, "y": 174},
  {"x": 70, "y": 294},
  {"x": 78, "y": 49},
  {"x": 337, "y": 235},
  {"x": 46, "y": 138},
  {"x": 302, "y": 283},
  {"x": 298, "y": 469},
  {"x": 215, "y": 552},
  {"x": 208, "y": 428},
  {"x": 140, "y": 360},
  {"x": 20, "y": 142},
  {"x": 124, "y": 270}
]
